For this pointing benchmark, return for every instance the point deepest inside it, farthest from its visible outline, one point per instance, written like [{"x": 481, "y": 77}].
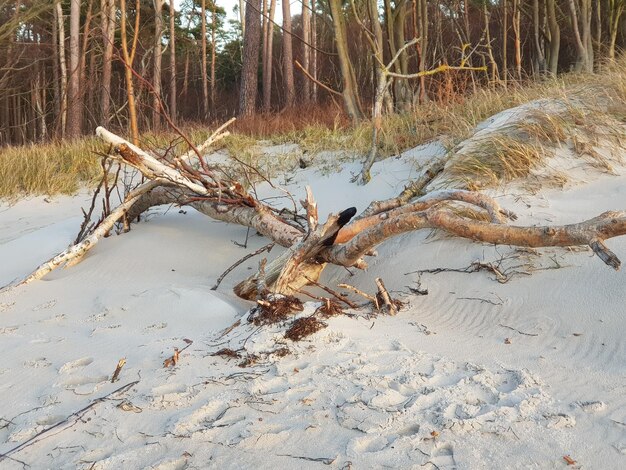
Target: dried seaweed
[
  {"x": 275, "y": 309},
  {"x": 303, "y": 327}
]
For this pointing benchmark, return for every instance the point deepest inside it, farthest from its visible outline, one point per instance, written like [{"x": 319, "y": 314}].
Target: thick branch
[{"x": 592, "y": 232}]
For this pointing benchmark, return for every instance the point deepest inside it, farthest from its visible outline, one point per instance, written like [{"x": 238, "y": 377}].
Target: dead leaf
[
  {"x": 188, "y": 341},
  {"x": 507, "y": 340},
  {"x": 434, "y": 434},
  {"x": 569, "y": 460},
  {"x": 296, "y": 370}
]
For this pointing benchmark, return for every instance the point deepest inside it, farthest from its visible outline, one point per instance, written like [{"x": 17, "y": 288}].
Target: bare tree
[{"x": 343, "y": 239}]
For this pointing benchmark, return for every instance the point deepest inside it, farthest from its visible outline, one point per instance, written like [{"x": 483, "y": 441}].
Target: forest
[{"x": 137, "y": 66}]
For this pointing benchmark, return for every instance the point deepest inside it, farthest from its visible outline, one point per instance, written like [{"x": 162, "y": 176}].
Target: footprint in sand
[
  {"x": 38, "y": 363},
  {"x": 80, "y": 384},
  {"x": 443, "y": 456},
  {"x": 45, "y": 305},
  {"x": 171, "y": 396}
]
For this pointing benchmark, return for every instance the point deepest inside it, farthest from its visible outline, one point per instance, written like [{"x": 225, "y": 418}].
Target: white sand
[{"x": 474, "y": 375}]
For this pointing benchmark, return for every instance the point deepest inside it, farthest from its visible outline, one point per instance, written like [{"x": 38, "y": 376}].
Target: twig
[
  {"x": 371, "y": 298},
  {"x": 518, "y": 331},
  {"x": 314, "y": 80},
  {"x": 487, "y": 301},
  {"x": 384, "y": 294},
  {"x": 267, "y": 248},
  {"x": 76, "y": 415},
  {"x": 333, "y": 293},
  {"x": 118, "y": 369}
]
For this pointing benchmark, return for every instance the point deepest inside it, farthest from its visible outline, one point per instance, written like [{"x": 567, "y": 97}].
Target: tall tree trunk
[
  {"x": 213, "y": 51},
  {"x": 516, "y": 32},
  {"x": 63, "y": 66},
  {"x": 505, "y": 36},
  {"x": 108, "y": 36},
  {"x": 540, "y": 56},
  {"x": 172, "y": 47},
  {"x": 314, "y": 50},
  {"x": 242, "y": 17},
  {"x": 495, "y": 75},
  {"x": 555, "y": 37},
  {"x": 616, "y": 9},
  {"x": 75, "y": 105},
  {"x": 129, "y": 57},
  {"x": 306, "y": 50},
  {"x": 205, "y": 80},
  {"x": 288, "y": 56},
  {"x": 268, "y": 48},
  {"x": 55, "y": 68},
  {"x": 249, "y": 72},
  {"x": 349, "y": 92},
  {"x": 156, "y": 75},
  {"x": 580, "y": 40}
]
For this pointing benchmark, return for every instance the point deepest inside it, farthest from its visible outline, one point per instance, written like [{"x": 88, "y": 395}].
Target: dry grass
[{"x": 49, "y": 168}]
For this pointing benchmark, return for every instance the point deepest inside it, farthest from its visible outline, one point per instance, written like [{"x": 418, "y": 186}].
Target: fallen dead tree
[{"x": 344, "y": 239}]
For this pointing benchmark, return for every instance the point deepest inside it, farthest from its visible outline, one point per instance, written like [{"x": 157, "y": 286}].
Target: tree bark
[
  {"x": 156, "y": 75},
  {"x": 107, "y": 11},
  {"x": 249, "y": 72},
  {"x": 63, "y": 66},
  {"x": 268, "y": 48},
  {"x": 128, "y": 58},
  {"x": 204, "y": 77},
  {"x": 74, "y": 102},
  {"x": 350, "y": 90},
  {"x": 306, "y": 50},
  {"x": 172, "y": 47},
  {"x": 290, "y": 91},
  {"x": 555, "y": 37}
]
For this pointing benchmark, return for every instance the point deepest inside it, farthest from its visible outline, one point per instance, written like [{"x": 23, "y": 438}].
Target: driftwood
[{"x": 343, "y": 239}]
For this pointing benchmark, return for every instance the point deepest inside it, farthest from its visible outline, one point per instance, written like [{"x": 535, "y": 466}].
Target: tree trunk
[
  {"x": 128, "y": 58},
  {"x": 290, "y": 92},
  {"x": 63, "y": 66},
  {"x": 555, "y": 37},
  {"x": 205, "y": 80},
  {"x": 540, "y": 57},
  {"x": 314, "y": 50},
  {"x": 306, "y": 50},
  {"x": 172, "y": 47},
  {"x": 108, "y": 37},
  {"x": 213, "y": 51},
  {"x": 249, "y": 71},
  {"x": 75, "y": 105},
  {"x": 268, "y": 48},
  {"x": 516, "y": 31},
  {"x": 505, "y": 36},
  {"x": 495, "y": 75},
  {"x": 350, "y": 90},
  {"x": 156, "y": 75}
]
